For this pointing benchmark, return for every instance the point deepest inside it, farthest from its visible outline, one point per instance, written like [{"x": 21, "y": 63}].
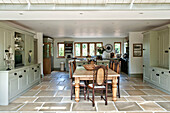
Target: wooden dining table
[{"x": 82, "y": 74}]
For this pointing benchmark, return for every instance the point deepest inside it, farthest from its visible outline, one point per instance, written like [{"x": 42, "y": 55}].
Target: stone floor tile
[
  {"x": 24, "y": 100},
  {"x": 167, "y": 97},
  {"x": 150, "y": 106},
  {"x": 31, "y": 107},
  {"x": 49, "y": 99},
  {"x": 108, "y": 107},
  {"x": 56, "y": 87},
  {"x": 142, "y": 87},
  {"x": 153, "y": 98},
  {"x": 151, "y": 92},
  {"x": 30, "y": 93},
  {"x": 83, "y": 107},
  {"x": 63, "y": 93},
  {"x": 56, "y": 107},
  {"x": 11, "y": 107},
  {"x": 46, "y": 93},
  {"x": 135, "y": 98},
  {"x": 135, "y": 92},
  {"x": 127, "y": 106},
  {"x": 165, "y": 105},
  {"x": 127, "y": 87}
]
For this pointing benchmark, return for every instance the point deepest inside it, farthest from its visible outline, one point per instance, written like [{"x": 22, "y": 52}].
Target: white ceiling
[{"x": 90, "y": 28}]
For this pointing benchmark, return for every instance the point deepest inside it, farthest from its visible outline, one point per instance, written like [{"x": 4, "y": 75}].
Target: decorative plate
[{"x": 109, "y": 48}]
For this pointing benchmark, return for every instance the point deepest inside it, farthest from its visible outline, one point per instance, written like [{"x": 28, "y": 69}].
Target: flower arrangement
[{"x": 101, "y": 50}]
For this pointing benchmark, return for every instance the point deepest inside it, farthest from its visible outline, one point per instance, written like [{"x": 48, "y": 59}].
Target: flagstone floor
[{"x": 53, "y": 95}]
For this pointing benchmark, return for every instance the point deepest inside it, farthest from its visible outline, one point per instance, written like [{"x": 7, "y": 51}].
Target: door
[{"x": 47, "y": 58}]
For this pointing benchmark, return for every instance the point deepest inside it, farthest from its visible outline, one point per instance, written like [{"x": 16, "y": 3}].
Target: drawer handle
[
  {"x": 20, "y": 76},
  {"x": 162, "y": 72},
  {"x": 35, "y": 70},
  {"x": 15, "y": 73},
  {"x": 25, "y": 71},
  {"x": 102, "y": 63},
  {"x": 157, "y": 74},
  {"x": 166, "y": 51},
  {"x": 153, "y": 70}
]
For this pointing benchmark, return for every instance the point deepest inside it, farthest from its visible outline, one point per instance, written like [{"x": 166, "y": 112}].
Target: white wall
[
  {"x": 39, "y": 36},
  {"x": 135, "y": 63},
  {"x": 104, "y": 40}
]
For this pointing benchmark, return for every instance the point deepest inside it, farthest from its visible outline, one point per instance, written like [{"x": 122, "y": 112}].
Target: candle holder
[{"x": 9, "y": 58}]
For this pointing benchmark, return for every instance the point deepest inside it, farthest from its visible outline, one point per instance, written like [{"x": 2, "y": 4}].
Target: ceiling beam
[{"x": 131, "y": 4}]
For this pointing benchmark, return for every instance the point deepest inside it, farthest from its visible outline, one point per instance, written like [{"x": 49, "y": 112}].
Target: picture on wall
[{"x": 137, "y": 50}]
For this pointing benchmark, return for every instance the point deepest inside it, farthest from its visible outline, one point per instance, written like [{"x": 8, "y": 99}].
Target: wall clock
[{"x": 109, "y": 48}]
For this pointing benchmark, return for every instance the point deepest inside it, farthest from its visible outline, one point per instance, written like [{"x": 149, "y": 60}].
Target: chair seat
[
  {"x": 109, "y": 81},
  {"x": 82, "y": 83},
  {"x": 96, "y": 87}
]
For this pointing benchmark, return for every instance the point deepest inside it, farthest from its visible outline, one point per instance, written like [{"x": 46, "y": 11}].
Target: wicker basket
[{"x": 89, "y": 67}]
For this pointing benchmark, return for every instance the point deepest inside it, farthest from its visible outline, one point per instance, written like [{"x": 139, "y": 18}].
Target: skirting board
[{"x": 139, "y": 75}]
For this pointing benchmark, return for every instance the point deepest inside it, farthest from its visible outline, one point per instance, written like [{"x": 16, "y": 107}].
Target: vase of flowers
[{"x": 101, "y": 50}]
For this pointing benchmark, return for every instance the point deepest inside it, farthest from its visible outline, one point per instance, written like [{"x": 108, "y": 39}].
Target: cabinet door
[
  {"x": 14, "y": 84},
  {"x": 166, "y": 49},
  {"x": 155, "y": 76},
  {"x": 24, "y": 79},
  {"x": 164, "y": 80},
  {"x": 31, "y": 76},
  {"x": 36, "y": 74}
]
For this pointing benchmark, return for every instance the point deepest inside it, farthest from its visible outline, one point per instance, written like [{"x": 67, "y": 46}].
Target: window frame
[
  {"x": 120, "y": 47},
  {"x": 58, "y": 50},
  {"x": 88, "y": 48}
]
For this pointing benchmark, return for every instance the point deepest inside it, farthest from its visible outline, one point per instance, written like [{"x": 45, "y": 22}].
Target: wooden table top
[{"x": 82, "y": 72}]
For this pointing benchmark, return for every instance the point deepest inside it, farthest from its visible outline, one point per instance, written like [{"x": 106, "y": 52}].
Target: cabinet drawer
[{"x": 155, "y": 77}]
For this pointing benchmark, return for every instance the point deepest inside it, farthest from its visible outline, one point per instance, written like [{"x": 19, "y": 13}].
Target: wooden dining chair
[
  {"x": 100, "y": 74},
  {"x": 82, "y": 83},
  {"x": 116, "y": 68}
]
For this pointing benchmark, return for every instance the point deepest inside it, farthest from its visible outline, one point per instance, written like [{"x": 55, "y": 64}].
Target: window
[
  {"x": 92, "y": 49},
  {"x": 83, "y": 49},
  {"x": 61, "y": 50},
  {"x": 98, "y": 45},
  {"x": 117, "y": 48},
  {"x": 77, "y": 49}
]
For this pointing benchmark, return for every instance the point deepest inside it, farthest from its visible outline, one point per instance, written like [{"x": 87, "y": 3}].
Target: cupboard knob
[
  {"x": 20, "y": 76},
  {"x": 25, "y": 71},
  {"x": 37, "y": 66},
  {"x": 15, "y": 73},
  {"x": 153, "y": 70},
  {"x": 157, "y": 74},
  {"x": 166, "y": 51},
  {"x": 143, "y": 65},
  {"x": 32, "y": 68},
  {"x": 35, "y": 70},
  {"x": 162, "y": 72}
]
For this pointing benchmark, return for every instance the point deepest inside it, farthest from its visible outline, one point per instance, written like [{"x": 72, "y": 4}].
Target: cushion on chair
[
  {"x": 91, "y": 86},
  {"x": 81, "y": 83},
  {"x": 109, "y": 81}
]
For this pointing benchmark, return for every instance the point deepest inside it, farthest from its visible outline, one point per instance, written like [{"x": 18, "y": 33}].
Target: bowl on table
[{"x": 89, "y": 67}]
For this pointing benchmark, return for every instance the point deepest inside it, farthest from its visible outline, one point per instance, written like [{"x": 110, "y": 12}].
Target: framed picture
[{"x": 137, "y": 50}]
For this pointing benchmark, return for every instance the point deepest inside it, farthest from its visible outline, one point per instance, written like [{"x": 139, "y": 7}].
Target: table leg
[
  {"x": 77, "y": 89},
  {"x": 114, "y": 88}
]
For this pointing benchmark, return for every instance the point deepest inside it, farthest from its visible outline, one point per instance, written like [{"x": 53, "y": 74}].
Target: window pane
[
  {"x": 98, "y": 45},
  {"x": 61, "y": 49},
  {"x": 92, "y": 49},
  {"x": 84, "y": 49},
  {"x": 77, "y": 49},
  {"x": 117, "y": 48}
]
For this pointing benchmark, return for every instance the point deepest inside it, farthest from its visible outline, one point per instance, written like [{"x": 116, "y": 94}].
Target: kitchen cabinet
[
  {"x": 156, "y": 63},
  {"x": 16, "y": 81},
  {"x": 14, "y": 86}
]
